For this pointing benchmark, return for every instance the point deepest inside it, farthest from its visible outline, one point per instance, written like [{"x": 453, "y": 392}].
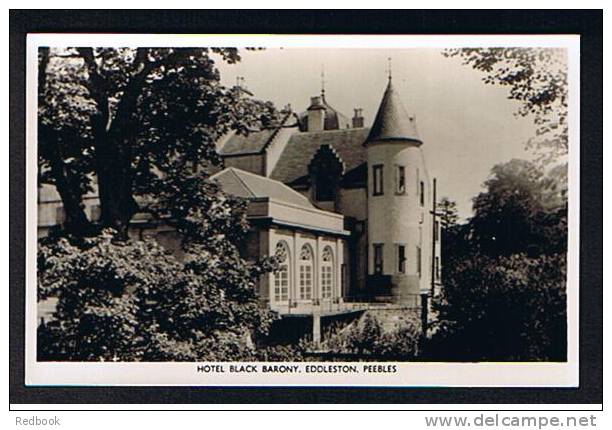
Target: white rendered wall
[{"x": 399, "y": 219}]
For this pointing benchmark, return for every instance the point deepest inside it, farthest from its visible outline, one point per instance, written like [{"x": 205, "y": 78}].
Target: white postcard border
[{"x": 407, "y": 374}]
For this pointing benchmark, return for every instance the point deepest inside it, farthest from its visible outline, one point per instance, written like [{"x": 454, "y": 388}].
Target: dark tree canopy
[
  {"x": 143, "y": 123},
  {"x": 504, "y": 272},
  {"x": 126, "y": 116},
  {"x": 521, "y": 210}
]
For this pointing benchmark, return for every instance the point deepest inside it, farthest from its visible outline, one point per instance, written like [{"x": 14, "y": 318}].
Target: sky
[{"x": 466, "y": 126}]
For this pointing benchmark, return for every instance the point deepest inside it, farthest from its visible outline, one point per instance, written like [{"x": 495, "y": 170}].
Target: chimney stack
[
  {"x": 358, "y": 118},
  {"x": 316, "y": 114}
]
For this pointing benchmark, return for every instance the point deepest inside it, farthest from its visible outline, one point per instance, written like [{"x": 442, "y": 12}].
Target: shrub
[{"x": 367, "y": 337}]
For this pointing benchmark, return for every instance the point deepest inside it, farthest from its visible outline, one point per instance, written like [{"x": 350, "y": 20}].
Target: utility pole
[
  {"x": 433, "y": 240},
  {"x": 425, "y": 297}
]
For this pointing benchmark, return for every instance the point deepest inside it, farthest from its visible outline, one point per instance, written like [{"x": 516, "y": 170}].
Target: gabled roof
[
  {"x": 292, "y": 166},
  {"x": 250, "y": 186},
  {"x": 392, "y": 122}
]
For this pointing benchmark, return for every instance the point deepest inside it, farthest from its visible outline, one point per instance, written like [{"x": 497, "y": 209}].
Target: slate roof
[
  {"x": 292, "y": 166},
  {"x": 254, "y": 142},
  {"x": 392, "y": 121},
  {"x": 249, "y": 185}
]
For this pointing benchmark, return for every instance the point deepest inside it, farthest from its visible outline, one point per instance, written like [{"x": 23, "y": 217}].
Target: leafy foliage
[
  {"x": 503, "y": 309},
  {"x": 505, "y": 271},
  {"x": 143, "y": 122},
  {"x": 367, "y": 337},
  {"x": 133, "y": 301},
  {"x": 124, "y": 116},
  {"x": 520, "y": 211},
  {"x": 447, "y": 212},
  {"x": 537, "y": 79}
]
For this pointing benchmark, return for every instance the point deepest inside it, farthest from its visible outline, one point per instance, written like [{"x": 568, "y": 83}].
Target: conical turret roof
[{"x": 392, "y": 122}]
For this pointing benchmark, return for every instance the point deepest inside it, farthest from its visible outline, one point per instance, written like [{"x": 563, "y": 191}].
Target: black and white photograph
[{"x": 308, "y": 210}]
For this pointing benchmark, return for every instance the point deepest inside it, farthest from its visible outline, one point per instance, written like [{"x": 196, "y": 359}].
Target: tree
[
  {"x": 503, "y": 297},
  {"x": 134, "y": 301},
  {"x": 122, "y": 115},
  {"x": 502, "y": 309},
  {"x": 520, "y": 211},
  {"x": 143, "y": 122},
  {"x": 537, "y": 79},
  {"x": 447, "y": 212},
  {"x": 454, "y": 243}
]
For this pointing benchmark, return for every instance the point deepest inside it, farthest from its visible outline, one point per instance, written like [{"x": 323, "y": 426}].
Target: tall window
[
  {"x": 401, "y": 258},
  {"x": 437, "y": 268},
  {"x": 377, "y": 179},
  {"x": 281, "y": 276},
  {"x": 418, "y": 250},
  {"x": 437, "y": 231},
  {"x": 422, "y": 193},
  {"x": 327, "y": 273},
  {"x": 400, "y": 180},
  {"x": 378, "y": 258},
  {"x": 306, "y": 262},
  {"x": 324, "y": 187}
]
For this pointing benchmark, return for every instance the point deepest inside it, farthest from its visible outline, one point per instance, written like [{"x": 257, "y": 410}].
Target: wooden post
[
  {"x": 433, "y": 240},
  {"x": 424, "y": 309},
  {"x": 316, "y": 329}
]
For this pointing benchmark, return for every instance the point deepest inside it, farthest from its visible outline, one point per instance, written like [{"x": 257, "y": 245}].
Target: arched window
[
  {"x": 327, "y": 273},
  {"x": 281, "y": 276},
  {"x": 306, "y": 270}
]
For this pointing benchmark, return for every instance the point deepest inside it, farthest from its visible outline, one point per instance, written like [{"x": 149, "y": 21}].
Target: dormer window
[
  {"x": 325, "y": 187},
  {"x": 325, "y": 170}
]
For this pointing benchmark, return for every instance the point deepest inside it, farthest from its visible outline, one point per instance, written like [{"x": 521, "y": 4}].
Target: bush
[
  {"x": 133, "y": 301},
  {"x": 367, "y": 337},
  {"x": 502, "y": 309}
]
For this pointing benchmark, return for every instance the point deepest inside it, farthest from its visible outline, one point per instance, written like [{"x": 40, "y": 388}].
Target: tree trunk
[
  {"x": 113, "y": 168},
  {"x": 75, "y": 222}
]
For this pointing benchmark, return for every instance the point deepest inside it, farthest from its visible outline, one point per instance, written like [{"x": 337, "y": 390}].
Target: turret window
[
  {"x": 418, "y": 251},
  {"x": 378, "y": 258},
  {"x": 422, "y": 193},
  {"x": 400, "y": 180},
  {"x": 401, "y": 258},
  {"x": 377, "y": 179}
]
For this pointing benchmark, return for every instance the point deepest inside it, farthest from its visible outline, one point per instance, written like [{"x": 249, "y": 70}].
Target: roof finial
[
  {"x": 322, "y": 80},
  {"x": 389, "y": 70}
]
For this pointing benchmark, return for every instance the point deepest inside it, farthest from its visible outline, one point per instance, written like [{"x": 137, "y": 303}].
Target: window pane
[
  {"x": 377, "y": 172},
  {"x": 378, "y": 258},
  {"x": 422, "y": 193},
  {"x": 401, "y": 180},
  {"x": 401, "y": 258}
]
